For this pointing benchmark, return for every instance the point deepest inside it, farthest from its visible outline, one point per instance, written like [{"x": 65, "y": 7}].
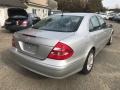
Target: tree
[
  {"x": 117, "y": 8},
  {"x": 95, "y": 6},
  {"x": 52, "y": 4},
  {"x": 70, "y": 5},
  {"x": 80, "y": 5}
]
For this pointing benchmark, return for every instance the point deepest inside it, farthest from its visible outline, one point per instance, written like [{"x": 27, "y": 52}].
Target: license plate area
[{"x": 28, "y": 47}]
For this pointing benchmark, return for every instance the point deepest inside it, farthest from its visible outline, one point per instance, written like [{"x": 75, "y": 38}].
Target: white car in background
[
  {"x": 106, "y": 16},
  {"x": 103, "y": 15}
]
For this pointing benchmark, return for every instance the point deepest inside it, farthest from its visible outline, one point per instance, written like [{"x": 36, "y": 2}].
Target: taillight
[
  {"x": 13, "y": 42},
  {"x": 61, "y": 51},
  {"x": 24, "y": 23}
]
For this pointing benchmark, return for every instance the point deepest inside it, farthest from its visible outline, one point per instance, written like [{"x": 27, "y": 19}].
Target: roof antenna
[{"x": 62, "y": 7}]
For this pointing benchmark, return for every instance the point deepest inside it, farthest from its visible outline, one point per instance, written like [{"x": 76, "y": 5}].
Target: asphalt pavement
[{"x": 104, "y": 76}]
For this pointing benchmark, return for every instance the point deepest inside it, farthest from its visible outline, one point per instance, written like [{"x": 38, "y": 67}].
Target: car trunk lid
[
  {"x": 17, "y": 12},
  {"x": 38, "y": 43}
]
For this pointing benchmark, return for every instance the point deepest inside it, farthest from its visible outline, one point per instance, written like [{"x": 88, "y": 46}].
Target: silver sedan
[{"x": 62, "y": 44}]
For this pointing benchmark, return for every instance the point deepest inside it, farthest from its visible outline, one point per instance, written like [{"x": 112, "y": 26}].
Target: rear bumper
[{"x": 47, "y": 70}]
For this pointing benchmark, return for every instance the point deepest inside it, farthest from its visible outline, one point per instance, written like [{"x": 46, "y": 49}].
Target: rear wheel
[
  {"x": 110, "y": 41},
  {"x": 88, "y": 63},
  {"x": 11, "y": 31}
]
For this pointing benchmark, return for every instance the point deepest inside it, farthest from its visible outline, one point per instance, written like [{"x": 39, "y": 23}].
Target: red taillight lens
[
  {"x": 24, "y": 23},
  {"x": 61, "y": 51},
  {"x": 13, "y": 42}
]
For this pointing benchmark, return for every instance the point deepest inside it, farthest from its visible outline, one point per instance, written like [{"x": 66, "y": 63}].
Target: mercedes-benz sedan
[{"x": 61, "y": 45}]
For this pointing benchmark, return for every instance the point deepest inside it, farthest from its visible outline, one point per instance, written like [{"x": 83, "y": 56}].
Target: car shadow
[
  {"x": 5, "y": 56},
  {"x": 3, "y": 30}
]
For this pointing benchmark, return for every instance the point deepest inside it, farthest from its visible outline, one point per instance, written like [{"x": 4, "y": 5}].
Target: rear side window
[
  {"x": 90, "y": 27},
  {"x": 102, "y": 22},
  {"x": 59, "y": 23},
  {"x": 94, "y": 23}
]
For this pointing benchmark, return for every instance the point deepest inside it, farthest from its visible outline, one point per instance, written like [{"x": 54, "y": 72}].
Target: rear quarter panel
[{"x": 81, "y": 46}]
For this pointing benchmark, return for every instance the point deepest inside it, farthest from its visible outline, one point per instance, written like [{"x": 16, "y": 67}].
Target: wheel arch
[
  {"x": 94, "y": 50},
  {"x": 91, "y": 48}
]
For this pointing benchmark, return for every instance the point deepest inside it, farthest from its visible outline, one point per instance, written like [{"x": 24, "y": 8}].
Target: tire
[
  {"x": 110, "y": 41},
  {"x": 11, "y": 31},
  {"x": 88, "y": 63}
]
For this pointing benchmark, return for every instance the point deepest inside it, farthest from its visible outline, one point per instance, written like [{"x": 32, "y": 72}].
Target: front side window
[{"x": 59, "y": 23}]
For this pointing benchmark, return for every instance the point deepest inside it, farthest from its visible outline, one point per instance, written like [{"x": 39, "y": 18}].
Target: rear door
[
  {"x": 107, "y": 31},
  {"x": 97, "y": 33}
]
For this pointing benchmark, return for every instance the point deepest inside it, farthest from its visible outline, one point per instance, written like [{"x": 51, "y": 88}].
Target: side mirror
[
  {"x": 103, "y": 25},
  {"x": 110, "y": 26}
]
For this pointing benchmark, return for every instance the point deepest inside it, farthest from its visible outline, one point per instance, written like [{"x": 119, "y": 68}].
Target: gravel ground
[{"x": 104, "y": 76}]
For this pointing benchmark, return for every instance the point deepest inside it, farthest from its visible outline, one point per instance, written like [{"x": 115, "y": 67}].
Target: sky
[{"x": 111, "y": 3}]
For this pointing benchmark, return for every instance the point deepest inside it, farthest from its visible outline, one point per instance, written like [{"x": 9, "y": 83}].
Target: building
[
  {"x": 84, "y": 3},
  {"x": 38, "y": 7},
  {"x": 4, "y": 5},
  {"x": 52, "y": 4}
]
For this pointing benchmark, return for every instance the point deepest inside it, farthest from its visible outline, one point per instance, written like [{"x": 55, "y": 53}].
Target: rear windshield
[{"x": 59, "y": 23}]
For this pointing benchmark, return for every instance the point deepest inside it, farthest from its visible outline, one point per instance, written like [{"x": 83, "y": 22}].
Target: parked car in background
[
  {"x": 103, "y": 15},
  {"x": 107, "y": 16},
  {"x": 117, "y": 17},
  {"x": 61, "y": 45},
  {"x": 34, "y": 18},
  {"x": 111, "y": 16},
  {"x": 51, "y": 12},
  {"x": 19, "y": 19}
]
